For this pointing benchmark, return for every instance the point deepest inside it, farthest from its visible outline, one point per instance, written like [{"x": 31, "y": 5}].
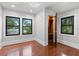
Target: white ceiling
[{"x": 26, "y": 7}]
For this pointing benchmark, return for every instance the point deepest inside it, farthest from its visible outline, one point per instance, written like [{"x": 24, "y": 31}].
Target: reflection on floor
[{"x": 33, "y": 48}]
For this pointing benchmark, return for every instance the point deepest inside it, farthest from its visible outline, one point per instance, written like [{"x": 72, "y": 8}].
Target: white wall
[
  {"x": 18, "y": 38},
  {"x": 40, "y": 27},
  {"x": 0, "y": 26},
  {"x": 71, "y": 40}
]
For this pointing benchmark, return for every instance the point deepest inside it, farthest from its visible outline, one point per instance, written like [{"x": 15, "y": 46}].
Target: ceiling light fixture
[
  {"x": 34, "y": 4},
  {"x": 12, "y": 5}
]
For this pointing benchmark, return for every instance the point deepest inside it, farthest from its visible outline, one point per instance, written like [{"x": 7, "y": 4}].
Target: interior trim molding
[
  {"x": 41, "y": 42},
  {"x": 16, "y": 41},
  {"x": 74, "y": 45},
  {"x": 5, "y": 43}
]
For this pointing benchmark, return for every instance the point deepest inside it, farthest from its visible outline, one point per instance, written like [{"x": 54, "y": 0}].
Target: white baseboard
[
  {"x": 5, "y": 43},
  {"x": 74, "y": 45},
  {"x": 41, "y": 42},
  {"x": 16, "y": 41}
]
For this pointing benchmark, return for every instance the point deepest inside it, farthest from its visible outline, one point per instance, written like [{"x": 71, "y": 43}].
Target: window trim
[
  {"x": 68, "y": 25},
  {"x": 6, "y": 26},
  {"x": 26, "y": 26}
]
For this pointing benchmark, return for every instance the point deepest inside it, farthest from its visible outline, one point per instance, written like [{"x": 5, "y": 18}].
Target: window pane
[
  {"x": 27, "y": 22},
  {"x": 67, "y": 25},
  {"x": 11, "y": 22},
  {"x": 13, "y": 25},
  {"x": 12, "y": 30},
  {"x": 63, "y": 21},
  {"x": 27, "y": 30},
  {"x": 66, "y": 29},
  {"x": 67, "y": 21},
  {"x": 27, "y": 26}
]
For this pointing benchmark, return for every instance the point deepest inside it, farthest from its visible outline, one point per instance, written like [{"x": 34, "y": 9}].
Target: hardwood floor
[{"x": 33, "y": 48}]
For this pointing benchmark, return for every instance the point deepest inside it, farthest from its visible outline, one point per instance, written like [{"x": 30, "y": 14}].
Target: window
[
  {"x": 12, "y": 25},
  {"x": 26, "y": 26},
  {"x": 67, "y": 25}
]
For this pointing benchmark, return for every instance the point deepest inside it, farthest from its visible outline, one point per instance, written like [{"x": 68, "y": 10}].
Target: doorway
[{"x": 51, "y": 29}]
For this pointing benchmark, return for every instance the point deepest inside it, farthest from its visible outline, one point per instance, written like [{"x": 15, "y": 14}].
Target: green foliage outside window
[
  {"x": 27, "y": 26},
  {"x": 12, "y": 25},
  {"x": 67, "y": 25}
]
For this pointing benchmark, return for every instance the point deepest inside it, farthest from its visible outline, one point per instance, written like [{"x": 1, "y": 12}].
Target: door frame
[{"x": 55, "y": 28}]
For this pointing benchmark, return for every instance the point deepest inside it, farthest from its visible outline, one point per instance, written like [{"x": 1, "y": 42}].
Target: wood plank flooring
[{"x": 33, "y": 48}]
